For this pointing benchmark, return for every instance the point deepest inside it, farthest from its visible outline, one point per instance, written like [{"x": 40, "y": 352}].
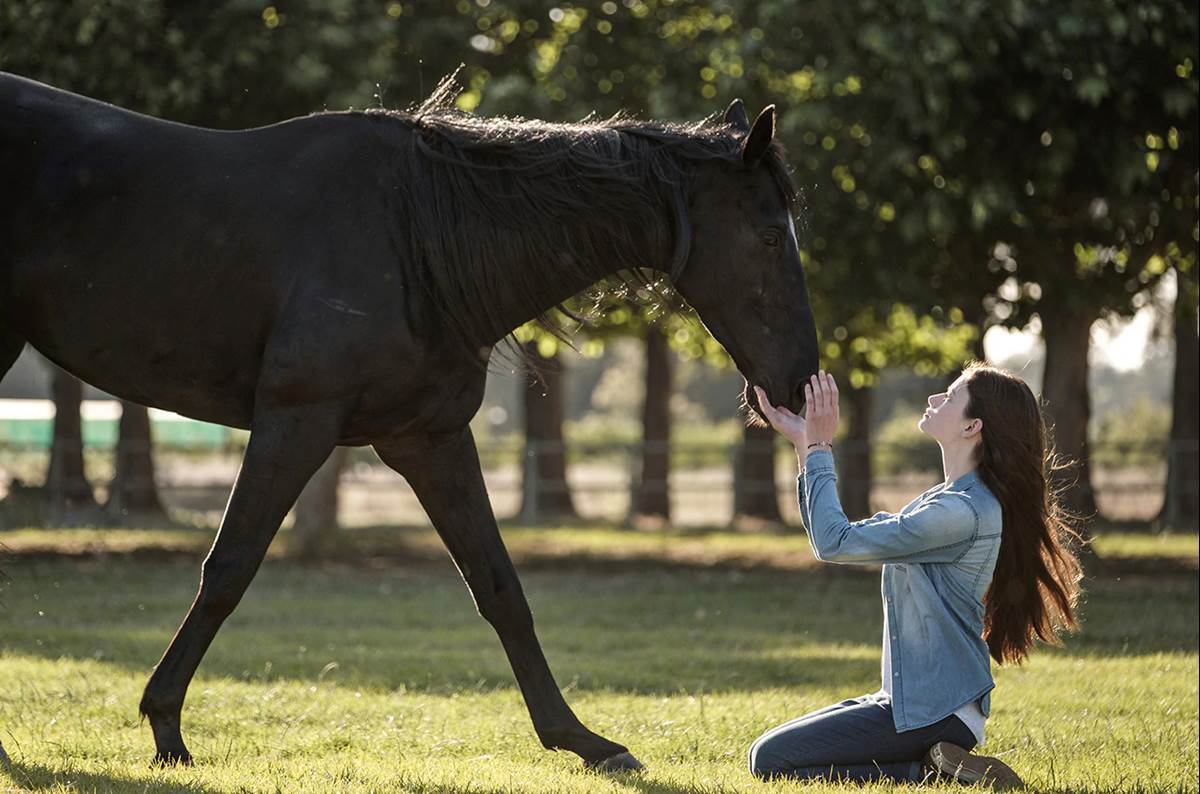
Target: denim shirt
[{"x": 938, "y": 554}]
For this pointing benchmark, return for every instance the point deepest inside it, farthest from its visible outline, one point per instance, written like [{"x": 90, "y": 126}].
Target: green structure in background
[{"x": 102, "y": 433}]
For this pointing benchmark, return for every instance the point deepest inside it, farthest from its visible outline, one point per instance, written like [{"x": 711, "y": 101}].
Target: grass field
[{"x": 378, "y": 675}]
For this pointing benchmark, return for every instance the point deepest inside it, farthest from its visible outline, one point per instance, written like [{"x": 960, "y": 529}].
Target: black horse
[{"x": 342, "y": 278}]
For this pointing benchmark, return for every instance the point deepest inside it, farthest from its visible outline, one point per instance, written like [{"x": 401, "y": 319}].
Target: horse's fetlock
[{"x": 554, "y": 738}]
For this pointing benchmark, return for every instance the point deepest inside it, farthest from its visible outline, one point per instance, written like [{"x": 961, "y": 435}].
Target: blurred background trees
[{"x": 1029, "y": 164}]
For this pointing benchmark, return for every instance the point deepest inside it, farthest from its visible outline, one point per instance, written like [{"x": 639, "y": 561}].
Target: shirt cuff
[{"x": 818, "y": 461}]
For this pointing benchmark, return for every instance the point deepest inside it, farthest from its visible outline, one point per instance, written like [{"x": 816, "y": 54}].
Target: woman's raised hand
[
  {"x": 821, "y": 399},
  {"x": 791, "y": 425}
]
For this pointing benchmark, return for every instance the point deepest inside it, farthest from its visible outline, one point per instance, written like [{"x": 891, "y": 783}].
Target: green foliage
[
  {"x": 862, "y": 345},
  {"x": 225, "y": 64},
  {"x": 921, "y": 133}
]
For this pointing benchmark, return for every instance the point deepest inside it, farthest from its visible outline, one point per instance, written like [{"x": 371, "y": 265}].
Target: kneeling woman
[{"x": 975, "y": 565}]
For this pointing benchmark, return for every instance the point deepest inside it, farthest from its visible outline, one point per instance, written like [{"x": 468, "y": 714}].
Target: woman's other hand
[
  {"x": 821, "y": 399},
  {"x": 791, "y": 425}
]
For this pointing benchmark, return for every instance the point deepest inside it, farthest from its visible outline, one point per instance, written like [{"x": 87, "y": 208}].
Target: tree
[
  {"x": 755, "y": 500},
  {"x": 1065, "y": 130},
  {"x": 546, "y": 496},
  {"x": 133, "y": 489},
  {"x": 652, "y": 498},
  {"x": 316, "y": 509},
  {"x": 624, "y": 312},
  {"x": 68, "y": 493},
  {"x": 1181, "y": 500}
]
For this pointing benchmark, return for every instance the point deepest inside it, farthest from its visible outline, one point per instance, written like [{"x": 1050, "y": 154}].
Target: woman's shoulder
[{"x": 974, "y": 493}]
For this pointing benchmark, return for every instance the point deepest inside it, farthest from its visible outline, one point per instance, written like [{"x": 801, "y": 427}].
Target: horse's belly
[
  {"x": 204, "y": 381},
  {"x": 158, "y": 344}
]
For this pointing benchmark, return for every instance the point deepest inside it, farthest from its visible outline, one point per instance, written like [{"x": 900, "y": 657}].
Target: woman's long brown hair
[{"x": 1035, "y": 586}]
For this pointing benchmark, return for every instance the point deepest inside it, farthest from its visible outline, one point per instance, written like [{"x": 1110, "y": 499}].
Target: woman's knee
[{"x": 766, "y": 757}]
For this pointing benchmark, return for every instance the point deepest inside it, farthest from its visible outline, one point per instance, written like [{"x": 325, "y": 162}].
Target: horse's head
[{"x": 743, "y": 273}]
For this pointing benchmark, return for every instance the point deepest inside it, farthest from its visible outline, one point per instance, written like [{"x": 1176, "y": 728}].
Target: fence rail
[{"x": 602, "y": 477}]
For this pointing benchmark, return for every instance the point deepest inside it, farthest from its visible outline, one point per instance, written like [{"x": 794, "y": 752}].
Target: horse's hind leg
[
  {"x": 286, "y": 446},
  {"x": 448, "y": 481}
]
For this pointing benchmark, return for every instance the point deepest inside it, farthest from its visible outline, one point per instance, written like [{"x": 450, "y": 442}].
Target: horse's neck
[
  {"x": 555, "y": 282},
  {"x": 512, "y": 262}
]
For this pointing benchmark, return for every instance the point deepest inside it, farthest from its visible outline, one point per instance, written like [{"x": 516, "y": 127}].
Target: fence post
[
  {"x": 633, "y": 471},
  {"x": 529, "y": 483}
]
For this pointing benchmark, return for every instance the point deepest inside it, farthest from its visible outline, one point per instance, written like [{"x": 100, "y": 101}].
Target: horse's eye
[{"x": 772, "y": 238}]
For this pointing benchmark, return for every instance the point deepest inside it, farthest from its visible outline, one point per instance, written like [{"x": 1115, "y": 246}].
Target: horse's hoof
[
  {"x": 621, "y": 762},
  {"x": 173, "y": 758}
]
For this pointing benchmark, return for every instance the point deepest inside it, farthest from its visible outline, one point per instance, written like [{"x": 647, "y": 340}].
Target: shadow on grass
[
  {"x": 600, "y": 550},
  {"x": 652, "y": 631},
  {"x": 27, "y": 776},
  {"x": 417, "y": 630}
]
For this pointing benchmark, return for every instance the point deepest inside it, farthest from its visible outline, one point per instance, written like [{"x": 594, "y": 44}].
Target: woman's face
[{"x": 945, "y": 419}]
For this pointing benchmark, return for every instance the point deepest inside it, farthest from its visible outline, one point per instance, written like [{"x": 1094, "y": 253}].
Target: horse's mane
[{"x": 491, "y": 200}]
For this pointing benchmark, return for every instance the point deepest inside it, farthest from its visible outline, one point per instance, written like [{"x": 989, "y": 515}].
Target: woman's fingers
[
  {"x": 765, "y": 404},
  {"x": 774, "y": 412}
]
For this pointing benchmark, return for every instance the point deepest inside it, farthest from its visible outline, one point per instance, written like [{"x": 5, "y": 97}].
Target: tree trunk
[
  {"x": 317, "y": 509},
  {"x": 653, "y": 493},
  {"x": 132, "y": 489},
  {"x": 1067, "y": 333},
  {"x": 68, "y": 493},
  {"x": 1180, "y": 510},
  {"x": 977, "y": 315},
  {"x": 546, "y": 495},
  {"x": 754, "y": 496},
  {"x": 854, "y": 458}
]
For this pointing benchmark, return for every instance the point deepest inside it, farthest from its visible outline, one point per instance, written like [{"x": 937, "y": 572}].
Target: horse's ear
[
  {"x": 756, "y": 143},
  {"x": 735, "y": 116}
]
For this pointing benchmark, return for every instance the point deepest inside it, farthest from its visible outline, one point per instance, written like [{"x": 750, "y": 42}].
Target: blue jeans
[{"x": 854, "y": 740}]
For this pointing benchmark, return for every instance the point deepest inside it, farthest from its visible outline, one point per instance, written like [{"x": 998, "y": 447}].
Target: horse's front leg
[
  {"x": 447, "y": 479},
  {"x": 286, "y": 446}
]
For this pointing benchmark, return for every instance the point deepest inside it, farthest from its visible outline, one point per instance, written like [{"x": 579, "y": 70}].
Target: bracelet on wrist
[{"x": 821, "y": 444}]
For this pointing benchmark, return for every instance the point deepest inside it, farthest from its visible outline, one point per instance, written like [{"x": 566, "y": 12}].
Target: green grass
[
  {"x": 1146, "y": 544},
  {"x": 358, "y": 678}
]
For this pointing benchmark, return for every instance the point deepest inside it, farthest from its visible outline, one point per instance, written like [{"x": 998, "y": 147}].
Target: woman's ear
[{"x": 974, "y": 428}]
